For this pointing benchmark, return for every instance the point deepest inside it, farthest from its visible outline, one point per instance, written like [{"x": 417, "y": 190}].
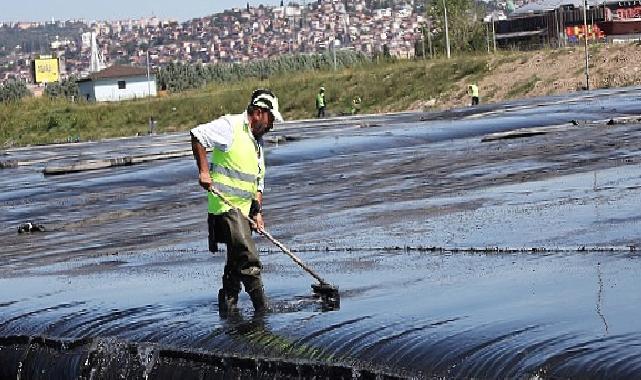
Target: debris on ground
[{"x": 30, "y": 227}]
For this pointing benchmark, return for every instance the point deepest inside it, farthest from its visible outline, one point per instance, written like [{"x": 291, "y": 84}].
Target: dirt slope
[{"x": 551, "y": 72}]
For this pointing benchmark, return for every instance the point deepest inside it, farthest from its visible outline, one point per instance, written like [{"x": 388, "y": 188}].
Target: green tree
[
  {"x": 386, "y": 52},
  {"x": 66, "y": 89},
  {"x": 13, "y": 90},
  {"x": 464, "y": 19},
  {"x": 179, "y": 76}
]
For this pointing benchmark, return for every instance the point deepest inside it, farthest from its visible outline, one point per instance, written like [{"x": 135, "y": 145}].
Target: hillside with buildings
[
  {"x": 388, "y": 86},
  {"x": 233, "y": 36},
  {"x": 399, "y": 28}
]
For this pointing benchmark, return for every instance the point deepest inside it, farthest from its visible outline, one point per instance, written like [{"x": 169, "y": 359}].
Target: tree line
[
  {"x": 467, "y": 31},
  {"x": 13, "y": 90},
  {"x": 180, "y": 76},
  {"x": 67, "y": 88}
]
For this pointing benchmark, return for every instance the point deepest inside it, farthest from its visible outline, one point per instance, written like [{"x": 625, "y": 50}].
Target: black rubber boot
[
  {"x": 259, "y": 300},
  {"x": 228, "y": 295},
  {"x": 254, "y": 287},
  {"x": 227, "y": 304}
]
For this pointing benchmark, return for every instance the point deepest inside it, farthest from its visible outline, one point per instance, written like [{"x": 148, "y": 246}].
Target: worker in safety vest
[
  {"x": 473, "y": 91},
  {"x": 356, "y": 105},
  {"x": 237, "y": 170},
  {"x": 320, "y": 102}
]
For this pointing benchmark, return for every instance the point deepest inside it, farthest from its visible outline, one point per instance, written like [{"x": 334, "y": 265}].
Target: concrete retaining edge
[{"x": 53, "y": 168}]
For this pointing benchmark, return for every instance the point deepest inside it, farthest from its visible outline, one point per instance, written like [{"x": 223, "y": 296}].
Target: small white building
[{"x": 117, "y": 83}]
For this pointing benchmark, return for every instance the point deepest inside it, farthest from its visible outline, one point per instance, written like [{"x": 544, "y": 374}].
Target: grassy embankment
[{"x": 384, "y": 87}]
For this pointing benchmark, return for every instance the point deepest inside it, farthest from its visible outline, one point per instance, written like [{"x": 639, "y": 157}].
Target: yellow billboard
[{"x": 46, "y": 70}]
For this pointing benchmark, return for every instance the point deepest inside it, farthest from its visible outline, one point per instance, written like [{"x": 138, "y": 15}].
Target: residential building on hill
[{"x": 117, "y": 83}]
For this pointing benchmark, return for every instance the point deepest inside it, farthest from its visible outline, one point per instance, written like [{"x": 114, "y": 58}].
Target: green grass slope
[{"x": 383, "y": 87}]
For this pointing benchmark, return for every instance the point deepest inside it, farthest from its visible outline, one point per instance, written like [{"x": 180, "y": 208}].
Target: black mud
[{"x": 457, "y": 255}]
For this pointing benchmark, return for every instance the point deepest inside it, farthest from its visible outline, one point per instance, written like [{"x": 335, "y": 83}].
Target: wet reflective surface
[{"x": 123, "y": 276}]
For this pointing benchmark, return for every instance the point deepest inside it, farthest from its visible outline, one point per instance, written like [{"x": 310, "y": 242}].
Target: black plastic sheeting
[{"x": 24, "y": 357}]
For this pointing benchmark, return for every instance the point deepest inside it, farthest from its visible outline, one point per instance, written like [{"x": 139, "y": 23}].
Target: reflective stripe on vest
[
  {"x": 235, "y": 172},
  {"x": 231, "y": 173},
  {"x": 234, "y": 192}
]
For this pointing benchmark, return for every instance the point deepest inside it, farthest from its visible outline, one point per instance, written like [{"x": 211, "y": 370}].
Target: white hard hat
[{"x": 268, "y": 101}]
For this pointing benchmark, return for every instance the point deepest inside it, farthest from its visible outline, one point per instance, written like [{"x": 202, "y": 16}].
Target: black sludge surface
[
  {"x": 37, "y": 358},
  {"x": 454, "y": 257},
  {"x": 402, "y": 312}
]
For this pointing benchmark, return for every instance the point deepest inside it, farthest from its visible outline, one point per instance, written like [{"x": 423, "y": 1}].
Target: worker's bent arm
[{"x": 200, "y": 154}]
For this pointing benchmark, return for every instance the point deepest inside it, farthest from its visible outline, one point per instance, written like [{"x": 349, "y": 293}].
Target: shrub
[{"x": 13, "y": 90}]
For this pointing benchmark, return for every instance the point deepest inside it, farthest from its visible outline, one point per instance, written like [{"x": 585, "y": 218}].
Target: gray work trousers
[{"x": 243, "y": 265}]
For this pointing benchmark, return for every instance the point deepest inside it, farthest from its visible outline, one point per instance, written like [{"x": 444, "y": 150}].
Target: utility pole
[
  {"x": 557, "y": 23},
  {"x": 152, "y": 121},
  {"x": 493, "y": 33},
  {"x": 423, "y": 42},
  {"x": 487, "y": 37},
  {"x": 334, "y": 51},
  {"x": 428, "y": 19},
  {"x": 429, "y": 38},
  {"x": 585, "y": 36},
  {"x": 148, "y": 76},
  {"x": 447, "y": 33}
]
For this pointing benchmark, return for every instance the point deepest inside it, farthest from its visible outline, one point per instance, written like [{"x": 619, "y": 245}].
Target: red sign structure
[
  {"x": 594, "y": 32},
  {"x": 628, "y": 13}
]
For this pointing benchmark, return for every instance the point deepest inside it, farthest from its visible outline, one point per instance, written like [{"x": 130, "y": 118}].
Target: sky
[{"x": 181, "y": 10}]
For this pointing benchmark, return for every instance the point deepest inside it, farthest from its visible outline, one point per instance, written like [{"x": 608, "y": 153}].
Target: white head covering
[{"x": 266, "y": 100}]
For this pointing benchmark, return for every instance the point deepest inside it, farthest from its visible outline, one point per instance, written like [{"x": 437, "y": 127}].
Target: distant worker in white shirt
[{"x": 237, "y": 170}]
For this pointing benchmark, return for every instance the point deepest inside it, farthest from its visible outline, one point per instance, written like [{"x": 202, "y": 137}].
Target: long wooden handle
[{"x": 270, "y": 237}]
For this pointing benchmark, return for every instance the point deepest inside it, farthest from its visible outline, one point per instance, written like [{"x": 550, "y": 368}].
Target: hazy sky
[{"x": 38, "y": 10}]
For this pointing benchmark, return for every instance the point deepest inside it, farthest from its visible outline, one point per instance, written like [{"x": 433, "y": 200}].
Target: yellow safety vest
[
  {"x": 474, "y": 90},
  {"x": 235, "y": 173}
]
